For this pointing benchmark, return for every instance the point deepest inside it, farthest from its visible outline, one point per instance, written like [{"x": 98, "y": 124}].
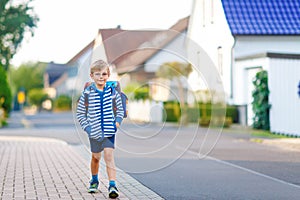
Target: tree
[
  {"x": 16, "y": 19},
  {"x": 5, "y": 92},
  {"x": 33, "y": 72},
  {"x": 177, "y": 70}
]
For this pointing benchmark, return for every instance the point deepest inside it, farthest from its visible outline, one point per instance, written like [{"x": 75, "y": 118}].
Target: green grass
[
  {"x": 266, "y": 134},
  {"x": 255, "y": 132}
]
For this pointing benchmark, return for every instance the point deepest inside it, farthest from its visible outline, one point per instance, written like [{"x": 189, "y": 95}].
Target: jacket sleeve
[
  {"x": 120, "y": 110},
  {"x": 81, "y": 114}
]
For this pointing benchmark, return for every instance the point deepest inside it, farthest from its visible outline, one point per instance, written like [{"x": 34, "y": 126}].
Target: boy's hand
[{"x": 117, "y": 124}]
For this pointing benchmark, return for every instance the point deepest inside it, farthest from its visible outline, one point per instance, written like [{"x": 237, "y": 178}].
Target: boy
[{"x": 96, "y": 117}]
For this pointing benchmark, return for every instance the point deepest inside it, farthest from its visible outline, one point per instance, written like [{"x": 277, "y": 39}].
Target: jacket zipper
[{"x": 102, "y": 120}]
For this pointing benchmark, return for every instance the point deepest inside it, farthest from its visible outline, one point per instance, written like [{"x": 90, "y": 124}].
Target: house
[
  {"x": 283, "y": 80},
  {"x": 243, "y": 37},
  {"x": 133, "y": 54},
  {"x": 227, "y": 41},
  {"x": 111, "y": 45},
  {"x": 52, "y": 78},
  {"x": 57, "y": 79}
]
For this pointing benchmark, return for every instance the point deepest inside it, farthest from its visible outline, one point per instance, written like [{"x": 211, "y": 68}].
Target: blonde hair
[{"x": 99, "y": 65}]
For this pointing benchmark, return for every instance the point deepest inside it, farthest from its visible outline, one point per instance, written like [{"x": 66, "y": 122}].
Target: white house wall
[
  {"x": 249, "y": 45},
  {"x": 99, "y": 49},
  {"x": 83, "y": 65},
  {"x": 284, "y": 77},
  {"x": 244, "y": 74},
  {"x": 208, "y": 29},
  {"x": 246, "y": 46},
  {"x": 240, "y": 75},
  {"x": 174, "y": 51}
]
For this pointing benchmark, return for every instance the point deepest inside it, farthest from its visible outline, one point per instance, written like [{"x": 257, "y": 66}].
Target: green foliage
[
  {"x": 172, "y": 111},
  {"x": 260, "y": 104},
  {"x": 171, "y": 70},
  {"x": 30, "y": 71},
  {"x": 16, "y": 19},
  {"x": 176, "y": 70},
  {"x": 63, "y": 102},
  {"x": 136, "y": 91},
  {"x": 130, "y": 87},
  {"x": 37, "y": 96},
  {"x": 217, "y": 115},
  {"x": 5, "y": 92},
  {"x": 193, "y": 114},
  {"x": 141, "y": 93},
  {"x": 232, "y": 112},
  {"x": 206, "y": 110},
  {"x": 202, "y": 113}
]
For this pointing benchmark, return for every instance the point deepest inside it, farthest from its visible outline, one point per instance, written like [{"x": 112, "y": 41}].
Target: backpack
[{"x": 115, "y": 85}]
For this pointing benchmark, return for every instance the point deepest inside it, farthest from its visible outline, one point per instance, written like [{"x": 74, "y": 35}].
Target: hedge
[{"x": 202, "y": 111}]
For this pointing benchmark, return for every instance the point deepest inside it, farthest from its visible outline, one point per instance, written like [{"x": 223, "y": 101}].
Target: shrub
[
  {"x": 232, "y": 112},
  {"x": 63, "y": 103},
  {"x": 260, "y": 104},
  {"x": 193, "y": 114},
  {"x": 141, "y": 93},
  {"x": 5, "y": 92},
  {"x": 37, "y": 96},
  {"x": 172, "y": 111},
  {"x": 136, "y": 91},
  {"x": 202, "y": 114}
]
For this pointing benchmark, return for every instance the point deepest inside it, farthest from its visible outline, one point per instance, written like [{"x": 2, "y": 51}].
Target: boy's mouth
[{"x": 100, "y": 81}]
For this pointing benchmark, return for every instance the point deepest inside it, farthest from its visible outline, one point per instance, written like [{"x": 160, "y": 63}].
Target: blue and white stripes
[{"x": 99, "y": 121}]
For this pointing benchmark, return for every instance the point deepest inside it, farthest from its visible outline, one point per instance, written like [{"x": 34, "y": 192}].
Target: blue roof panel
[{"x": 263, "y": 17}]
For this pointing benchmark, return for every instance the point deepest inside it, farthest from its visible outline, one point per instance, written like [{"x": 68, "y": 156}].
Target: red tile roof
[
  {"x": 128, "y": 49},
  {"x": 135, "y": 58}
]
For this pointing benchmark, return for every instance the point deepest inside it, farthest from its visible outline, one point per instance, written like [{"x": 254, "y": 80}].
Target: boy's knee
[
  {"x": 108, "y": 156},
  {"x": 96, "y": 157}
]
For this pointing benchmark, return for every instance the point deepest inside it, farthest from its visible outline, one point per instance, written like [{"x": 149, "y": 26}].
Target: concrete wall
[{"x": 145, "y": 111}]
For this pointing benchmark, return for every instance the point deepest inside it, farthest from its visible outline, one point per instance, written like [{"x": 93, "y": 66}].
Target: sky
[{"x": 67, "y": 26}]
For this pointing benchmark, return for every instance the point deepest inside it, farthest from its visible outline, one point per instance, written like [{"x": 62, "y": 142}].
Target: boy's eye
[{"x": 99, "y": 74}]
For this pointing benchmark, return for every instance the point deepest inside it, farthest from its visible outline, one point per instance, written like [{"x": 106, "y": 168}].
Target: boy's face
[{"x": 100, "y": 77}]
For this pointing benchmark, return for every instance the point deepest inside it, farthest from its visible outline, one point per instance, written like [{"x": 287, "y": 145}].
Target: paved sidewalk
[{"x": 44, "y": 168}]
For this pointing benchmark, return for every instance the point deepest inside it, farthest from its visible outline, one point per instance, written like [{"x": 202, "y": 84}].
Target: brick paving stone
[{"x": 44, "y": 168}]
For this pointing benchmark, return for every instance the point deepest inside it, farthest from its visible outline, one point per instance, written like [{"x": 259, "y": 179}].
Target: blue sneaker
[
  {"x": 113, "y": 192},
  {"x": 93, "y": 187}
]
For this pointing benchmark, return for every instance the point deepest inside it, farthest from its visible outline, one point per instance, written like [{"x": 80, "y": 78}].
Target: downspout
[{"x": 231, "y": 68}]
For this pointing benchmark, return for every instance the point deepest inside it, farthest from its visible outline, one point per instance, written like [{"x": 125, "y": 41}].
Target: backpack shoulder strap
[
  {"x": 86, "y": 93},
  {"x": 113, "y": 92}
]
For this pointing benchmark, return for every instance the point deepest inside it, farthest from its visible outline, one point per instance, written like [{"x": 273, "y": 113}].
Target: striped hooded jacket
[{"x": 99, "y": 120}]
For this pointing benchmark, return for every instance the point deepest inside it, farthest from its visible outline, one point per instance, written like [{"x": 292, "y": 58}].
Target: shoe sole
[
  {"x": 113, "y": 195},
  {"x": 92, "y": 190}
]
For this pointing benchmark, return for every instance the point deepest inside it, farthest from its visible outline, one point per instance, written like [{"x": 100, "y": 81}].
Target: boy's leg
[
  {"x": 95, "y": 163},
  {"x": 94, "y": 183},
  {"x": 111, "y": 172},
  {"x": 95, "y": 160},
  {"x": 110, "y": 163}
]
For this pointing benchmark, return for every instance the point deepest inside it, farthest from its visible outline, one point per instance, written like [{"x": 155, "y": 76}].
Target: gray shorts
[{"x": 97, "y": 146}]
